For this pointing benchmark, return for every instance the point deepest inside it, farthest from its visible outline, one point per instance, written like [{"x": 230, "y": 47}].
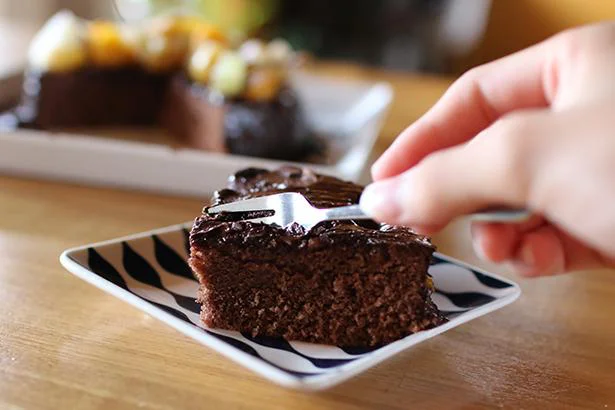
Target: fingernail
[
  {"x": 375, "y": 168},
  {"x": 521, "y": 269},
  {"x": 525, "y": 263},
  {"x": 527, "y": 256},
  {"x": 379, "y": 201},
  {"x": 478, "y": 247}
]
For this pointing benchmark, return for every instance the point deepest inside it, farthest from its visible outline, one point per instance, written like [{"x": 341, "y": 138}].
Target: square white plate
[
  {"x": 349, "y": 114},
  {"x": 150, "y": 272}
]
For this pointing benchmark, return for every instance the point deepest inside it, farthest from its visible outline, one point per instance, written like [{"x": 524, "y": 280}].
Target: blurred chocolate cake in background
[{"x": 176, "y": 72}]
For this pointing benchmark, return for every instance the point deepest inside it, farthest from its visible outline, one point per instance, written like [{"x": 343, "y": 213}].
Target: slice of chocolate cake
[
  {"x": 269, "y": 129},
  {"x": 343, "y": 283}
]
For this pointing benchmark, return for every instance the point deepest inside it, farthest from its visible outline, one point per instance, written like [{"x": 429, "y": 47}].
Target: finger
[
  {"x": 498, "y": 242},
  {"x": 493, "y": 170},
  {"x": 540, "y": 253},
  {"x": 549, "y": 250},
  {"x": 472, "y": 103},
  {"x": 536, "y": 248},
  {"x": 533, "y": 250},
  {"x": 495, "y": 242}
]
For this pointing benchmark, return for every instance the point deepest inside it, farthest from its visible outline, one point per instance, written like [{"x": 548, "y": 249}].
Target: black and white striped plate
[{"x": 150, "y": 272}]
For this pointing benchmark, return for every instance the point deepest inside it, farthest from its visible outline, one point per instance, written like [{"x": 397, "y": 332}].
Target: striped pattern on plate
[{"x": 149, "y": 271}]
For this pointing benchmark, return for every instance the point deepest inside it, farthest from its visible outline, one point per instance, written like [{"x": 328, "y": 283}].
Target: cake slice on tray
[
  {"x": 345, "y": 283},
  {"x": 178, "y": 73}
]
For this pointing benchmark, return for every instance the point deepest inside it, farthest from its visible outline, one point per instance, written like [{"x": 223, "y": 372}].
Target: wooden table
[{"x": 65, "y": 344}]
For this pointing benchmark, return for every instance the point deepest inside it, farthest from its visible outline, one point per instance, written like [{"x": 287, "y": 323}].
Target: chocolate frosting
[{"x": 322, "y": 191}]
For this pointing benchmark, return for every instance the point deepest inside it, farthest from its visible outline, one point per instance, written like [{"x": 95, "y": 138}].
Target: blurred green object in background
[
  {"x": 238, "y": 18},
  {"x": 161, "y": 6}
]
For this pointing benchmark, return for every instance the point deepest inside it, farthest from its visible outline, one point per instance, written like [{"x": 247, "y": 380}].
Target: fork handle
[
  {"x": 502, "y": 215},
  {"x": 345, "y": 212},
  {"x": 490, "y": 215}
]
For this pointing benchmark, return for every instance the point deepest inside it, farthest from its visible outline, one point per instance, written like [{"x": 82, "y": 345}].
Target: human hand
[{"x": 535, "y": 129}]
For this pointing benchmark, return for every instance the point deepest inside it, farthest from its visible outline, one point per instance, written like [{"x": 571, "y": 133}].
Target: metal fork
[{"x": 292, "y": 207}]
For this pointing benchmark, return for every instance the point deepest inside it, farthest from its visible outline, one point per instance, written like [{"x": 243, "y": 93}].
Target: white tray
[{"x": 350, "y": 113}]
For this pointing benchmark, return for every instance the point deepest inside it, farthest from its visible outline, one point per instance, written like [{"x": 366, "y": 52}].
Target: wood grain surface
[{"x": 65, "y": 344}]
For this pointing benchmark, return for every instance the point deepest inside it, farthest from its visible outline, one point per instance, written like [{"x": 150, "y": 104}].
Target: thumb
[{"x": 494, "y": 169}]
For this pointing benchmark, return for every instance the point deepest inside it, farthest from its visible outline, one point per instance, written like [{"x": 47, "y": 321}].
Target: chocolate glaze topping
[{"x": 322, "y": 191}]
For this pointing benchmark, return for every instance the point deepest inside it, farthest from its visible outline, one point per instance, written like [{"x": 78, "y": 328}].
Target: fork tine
[
  {"x": 269, "y": 220},
  {"x": 252, "y": 204}
]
